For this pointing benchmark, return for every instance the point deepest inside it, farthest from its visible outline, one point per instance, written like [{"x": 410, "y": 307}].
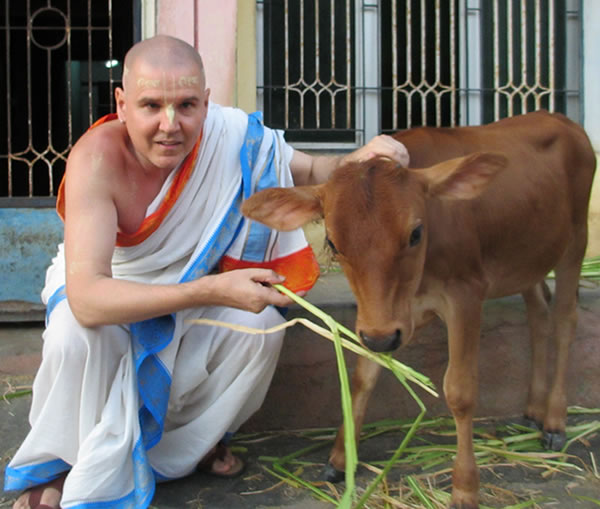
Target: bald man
[{"x": 129, "y": 392}]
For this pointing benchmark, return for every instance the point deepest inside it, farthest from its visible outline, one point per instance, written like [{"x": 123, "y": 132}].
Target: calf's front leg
[
  {"x": 461, "y": 390},
  {"x": 364, "y": 379}
]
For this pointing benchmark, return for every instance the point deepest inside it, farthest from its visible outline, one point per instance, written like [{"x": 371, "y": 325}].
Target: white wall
[
  {"x": 591, "y": 69},
  {"x": 591, "y": 104}
]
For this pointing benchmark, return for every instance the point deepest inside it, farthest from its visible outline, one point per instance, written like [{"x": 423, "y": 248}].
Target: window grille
[
  {"x": 62, "y": 59},
  {"x": 333, "y": 73},
  {"x": 531, "y": 58},
  {"x": 309, "y": 68}
]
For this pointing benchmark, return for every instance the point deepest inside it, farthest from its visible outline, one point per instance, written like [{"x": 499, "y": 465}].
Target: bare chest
[{"x": 133, "y": 197}]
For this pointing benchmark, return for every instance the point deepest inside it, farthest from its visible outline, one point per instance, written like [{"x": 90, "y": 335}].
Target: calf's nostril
[
  {"x": 397, "y": 341},
  {"x": 383, "y": 343}
]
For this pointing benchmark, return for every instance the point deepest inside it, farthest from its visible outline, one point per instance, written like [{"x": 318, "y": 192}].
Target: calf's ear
[
  {"x": 464, "y": 177},
  {"x": 285, "y": 209}
]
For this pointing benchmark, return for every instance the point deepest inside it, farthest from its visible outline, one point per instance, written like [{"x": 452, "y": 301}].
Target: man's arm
[
  {"x": 95, "y": 297},
  {"x": 308, "y": 170}
]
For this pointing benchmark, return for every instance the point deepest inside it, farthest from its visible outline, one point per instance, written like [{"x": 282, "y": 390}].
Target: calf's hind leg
[
  {"x": 538, "y": 318},
  {"x": 564, "y": 315}
]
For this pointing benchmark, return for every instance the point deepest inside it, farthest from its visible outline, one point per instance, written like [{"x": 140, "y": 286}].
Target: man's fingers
[
  {"x": 271, "y": 295},
  {"x": 267, "y": 276},
  {"x": 393, "y": 149},
  {"x": 380, "y": 146}
]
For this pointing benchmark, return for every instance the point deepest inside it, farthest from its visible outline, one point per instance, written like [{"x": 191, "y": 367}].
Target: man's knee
[
  {"x": 266, "y": 319},
  {"x": 270, "y": 343},
  {"x": 64, "y": 340}
]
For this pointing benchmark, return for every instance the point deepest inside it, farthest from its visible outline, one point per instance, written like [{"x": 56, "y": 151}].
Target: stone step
[{"x": 305, "y": 390}]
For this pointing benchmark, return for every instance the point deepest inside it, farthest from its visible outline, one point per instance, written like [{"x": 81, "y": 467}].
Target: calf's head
[{"x": 376, "y": 220}]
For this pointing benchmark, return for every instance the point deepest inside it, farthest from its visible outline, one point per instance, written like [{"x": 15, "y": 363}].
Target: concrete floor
[{"x": 305, "y": 390}]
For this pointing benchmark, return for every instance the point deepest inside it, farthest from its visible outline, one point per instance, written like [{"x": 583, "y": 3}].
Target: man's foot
[
  {"x": 221, "y": 462},
  {"x": 44, "y": 496}
]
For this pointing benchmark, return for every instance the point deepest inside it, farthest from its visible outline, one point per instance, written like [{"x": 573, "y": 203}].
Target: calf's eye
[{"x": 416, "y": 235}]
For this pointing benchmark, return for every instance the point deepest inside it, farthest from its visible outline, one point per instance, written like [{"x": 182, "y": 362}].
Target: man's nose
[{"x": 169, "y": 121}]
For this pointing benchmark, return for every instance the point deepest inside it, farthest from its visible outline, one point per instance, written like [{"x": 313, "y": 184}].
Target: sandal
[{"x": 218, "y": 453}]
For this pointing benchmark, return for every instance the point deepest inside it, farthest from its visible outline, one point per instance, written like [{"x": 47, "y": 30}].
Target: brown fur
[{"x": 500, "y": 206}]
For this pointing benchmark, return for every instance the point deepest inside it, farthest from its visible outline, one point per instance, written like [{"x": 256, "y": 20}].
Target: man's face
[{"x": 164, "y": 111}]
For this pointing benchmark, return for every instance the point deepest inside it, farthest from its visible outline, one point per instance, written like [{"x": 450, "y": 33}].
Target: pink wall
[{"x": 210, "y": 26}]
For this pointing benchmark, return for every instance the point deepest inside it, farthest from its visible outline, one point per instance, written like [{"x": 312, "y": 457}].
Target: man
[{"x": 129, "y": 391}]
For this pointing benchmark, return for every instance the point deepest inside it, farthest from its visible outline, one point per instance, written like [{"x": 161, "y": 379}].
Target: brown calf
[{"x": 486, "y": 212}]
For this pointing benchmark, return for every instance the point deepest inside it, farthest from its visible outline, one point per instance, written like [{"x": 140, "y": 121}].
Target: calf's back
[{"x": 517, "y": 229}]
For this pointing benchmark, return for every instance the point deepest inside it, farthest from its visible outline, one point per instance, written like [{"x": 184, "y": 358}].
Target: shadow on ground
[{"x": 568, "y": 482}]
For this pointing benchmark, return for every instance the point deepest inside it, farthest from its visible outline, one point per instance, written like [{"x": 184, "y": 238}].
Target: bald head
[
  {"x": 163, "y": 102},
  {"x": 161, "y": 52}
]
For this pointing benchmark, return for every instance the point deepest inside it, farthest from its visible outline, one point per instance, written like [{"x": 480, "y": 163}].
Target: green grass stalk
[
  {"x": 17, "y": 394},
  {"x": 401, "y": 372}
]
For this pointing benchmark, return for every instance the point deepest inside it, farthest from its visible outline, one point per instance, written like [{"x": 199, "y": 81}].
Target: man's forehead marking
[
  {"x": 185, "y": 81},
  {"x": 180, "y": 82},
  {"x": 147, "y": 83},
  {"x": 170, "y": 113}
]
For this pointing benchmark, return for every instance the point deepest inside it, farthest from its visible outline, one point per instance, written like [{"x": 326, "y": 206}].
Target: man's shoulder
[
  {"x": 105, "y": 139},
  {"x": 102, "y": 149},
  {"x": 233, "y": 114},
  {"x": 229, "y": 114},
  {"x": 235, "y": 119}
]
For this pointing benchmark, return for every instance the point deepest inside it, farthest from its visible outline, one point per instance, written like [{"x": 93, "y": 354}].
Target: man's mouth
[{"x": 168, "y": 143}]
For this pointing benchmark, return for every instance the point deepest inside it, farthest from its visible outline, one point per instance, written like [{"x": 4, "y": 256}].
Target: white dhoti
[{"x": 120, "y": 407}]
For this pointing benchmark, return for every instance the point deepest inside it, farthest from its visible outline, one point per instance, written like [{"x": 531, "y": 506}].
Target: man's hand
[
  {"x": 380, "y": 146},
  {"x": 308, "y": 169},
  {"x": 248, "y": 289}
]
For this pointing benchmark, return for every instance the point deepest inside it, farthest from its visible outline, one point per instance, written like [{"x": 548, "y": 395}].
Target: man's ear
[
  {"x": 464, "y": 177},
  {"x": 285, "y": 208},
  {"x": 120, "y": 102}
]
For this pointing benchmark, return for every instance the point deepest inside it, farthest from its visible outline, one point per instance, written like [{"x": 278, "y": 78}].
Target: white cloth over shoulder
[{"x": 120, "y": 407}]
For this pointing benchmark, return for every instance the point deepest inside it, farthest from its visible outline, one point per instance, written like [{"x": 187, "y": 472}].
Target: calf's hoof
[
  {"x": 462, "y": 499},
  {"x": 332, "y": 474},
  {"x": 554, "y": 440}
]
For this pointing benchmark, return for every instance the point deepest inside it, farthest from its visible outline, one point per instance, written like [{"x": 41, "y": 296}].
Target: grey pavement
[
  {"x": 304, "y": 394},
  {"x": 256, "y": 488}
]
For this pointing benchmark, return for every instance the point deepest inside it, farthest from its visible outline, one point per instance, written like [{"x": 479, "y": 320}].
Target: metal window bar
[
  {"x": 544, "y": 38},
  {"x": 516, "y": 91},
  {"x": 368, "y": 84},
  {"x": 307, "y": 84},
  {"x": 42, "y": 34},
  {"x": 318, "y": 86},
  {"x": 418, "y": 91},
  {"x": 431, "y": 62}
]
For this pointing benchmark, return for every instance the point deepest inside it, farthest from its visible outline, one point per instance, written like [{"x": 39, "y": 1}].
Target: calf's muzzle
[{"x": 386, "y": 343}]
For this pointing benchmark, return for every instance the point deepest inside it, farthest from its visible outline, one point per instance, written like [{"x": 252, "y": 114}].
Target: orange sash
[
  {"x": 153, "y": 221},
  {"x": 300, "y": 269}
]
